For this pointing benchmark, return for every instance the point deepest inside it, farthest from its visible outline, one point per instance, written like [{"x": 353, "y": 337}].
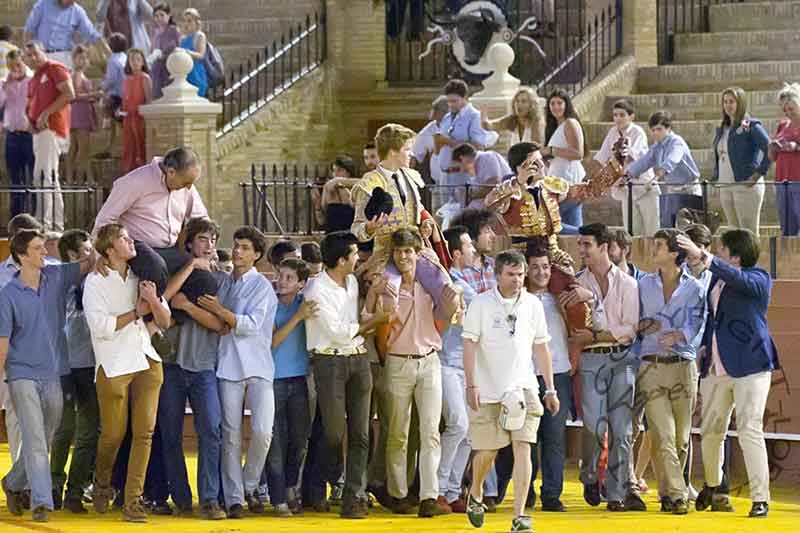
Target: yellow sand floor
[{"x": 784, "y": 517}]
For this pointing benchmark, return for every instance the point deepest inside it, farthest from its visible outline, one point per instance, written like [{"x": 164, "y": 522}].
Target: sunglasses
[{"x": 512, "y": 324}]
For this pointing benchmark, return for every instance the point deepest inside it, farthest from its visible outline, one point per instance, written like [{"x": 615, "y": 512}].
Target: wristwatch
[{"x": 551, "y": 392}]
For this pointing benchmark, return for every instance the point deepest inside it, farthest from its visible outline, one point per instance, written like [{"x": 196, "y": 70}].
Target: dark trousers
[
  {"x": 314, "y": 470},
  {"x": 155, "y": 483},
  {"x": 19, "y": 161},
  {"x": 201, "y": 390},
  {"x": 159, "y": 264},
  {"x": 551, "y": 443},
  {"x": 80, "y": 423},
  {"x": 289, "y": 436},
  {"x": 344, "y": 389},
  {"x": 396, "y": 18},
  {"x": 788, "y": 203},
  {"x": 671, "y": 203}
]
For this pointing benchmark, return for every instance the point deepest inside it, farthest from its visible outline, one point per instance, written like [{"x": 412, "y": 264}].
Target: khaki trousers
[
  {"x": 143, "y": 388},
  {"x": 670, "y": 394},
  {"x": 741, "y": 204},
  {"x": 749, "y": 395},
  {"x": 409, "y": 382}
]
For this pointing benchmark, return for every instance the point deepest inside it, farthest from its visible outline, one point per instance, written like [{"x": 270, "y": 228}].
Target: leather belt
[
  {"x": 54, "y": 51},
  {"x": 337, "y": 353},
  {"x": 606, "y": 350},
  {"x": 412, "y": 356},
  {"x": 663, "y": 359}
]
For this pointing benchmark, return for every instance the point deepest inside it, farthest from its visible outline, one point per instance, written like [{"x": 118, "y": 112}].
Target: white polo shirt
[{"x": 505, "y": 330}]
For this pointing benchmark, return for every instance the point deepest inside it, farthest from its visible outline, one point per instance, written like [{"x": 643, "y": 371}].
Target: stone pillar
[
  {"x": 182, "y": 118},
  {"x": 640, "y": 31},
  {"x": 356, "y": 43}
]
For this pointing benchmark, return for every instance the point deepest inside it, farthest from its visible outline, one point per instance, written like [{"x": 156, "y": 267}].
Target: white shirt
[
  {"x": 638, "y": 147},
  {"x": 570, "y": 170},
  {"x": 335, "y": 328},
  {"x": 559, "y": 349},
  {"x": 505, "y": 360},
  {"x": 725, "y": 168},
  {"x": 424, "y": 145},
  {"x": 104, "y": 299}
]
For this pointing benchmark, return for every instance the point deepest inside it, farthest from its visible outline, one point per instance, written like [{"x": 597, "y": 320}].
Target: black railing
[
  {"x": 268, "y": 74},
  {"x": 682, "y": 16},
  {"x": 82, "y": 200},
  {"x": 578, "y": 39}
]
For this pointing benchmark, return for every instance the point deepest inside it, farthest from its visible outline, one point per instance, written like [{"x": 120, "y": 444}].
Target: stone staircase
[{"x": 753, "y": 45}]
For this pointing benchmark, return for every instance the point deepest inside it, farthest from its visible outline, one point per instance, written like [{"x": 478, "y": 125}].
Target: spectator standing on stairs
[
  {"x": 127, "y": 17},
  {"x": 194, "y": 43},
  {"x": 740, "y": 162},
  {"x": 166, "y": 39},
  {"x": 54, "y": 24},
  {"x": 565, "y": 146},
  {"x": 784, "y": 149}
]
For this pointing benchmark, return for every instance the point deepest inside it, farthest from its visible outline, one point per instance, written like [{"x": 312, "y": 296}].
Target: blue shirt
[
  {"x": 683, "y": 312},
  {"x": 115, "y": 74},
  {"x": 34, "y": 323},
  {"x": 673, "y": 156},
  {"x": 472, "y": 282},
  {"x": 291, "y": 357},
  {"x": 79, "y": 338},
  {"x": 246, "y": 351},
  {"x": 54, "y": 26},
  {"x": 464, "y": 126}
]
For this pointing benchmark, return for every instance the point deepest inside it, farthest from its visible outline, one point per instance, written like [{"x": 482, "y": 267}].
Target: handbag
[{"x": 513, "y": 410}]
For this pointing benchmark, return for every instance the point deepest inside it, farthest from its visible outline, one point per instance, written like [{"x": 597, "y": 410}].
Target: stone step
[
  {"x": 697, "y": 133},
  {"x": 723, "y": 47},
  {"x": 759, "y": 75},
  {"x": 695, "y": 106},
  {"x": 755, "y": 16}
]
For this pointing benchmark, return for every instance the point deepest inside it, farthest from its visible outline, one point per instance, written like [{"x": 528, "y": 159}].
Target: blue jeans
[
  {"x": 202, "y": 392},
  {"x": 571, "y": 217},
  {"x": 455, "y": 442},
  {"x": 551, "y": 442},
  {"x": 236, "y": 481},
  {"x": 788, "y": 200},
  {"x": 19, "y": 162},
  {"x": 289, "y": 436},
  {"x": 607, "y": 387},
  {"x": 671, "y": 203},
  {"x": 38, "y": 405}
]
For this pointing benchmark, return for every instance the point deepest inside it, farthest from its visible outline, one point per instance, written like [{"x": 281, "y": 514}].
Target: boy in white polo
[{"x": 503, "y": 330}]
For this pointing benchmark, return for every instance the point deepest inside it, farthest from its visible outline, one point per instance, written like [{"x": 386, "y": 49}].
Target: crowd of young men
[{"x": 470, "y": 361}]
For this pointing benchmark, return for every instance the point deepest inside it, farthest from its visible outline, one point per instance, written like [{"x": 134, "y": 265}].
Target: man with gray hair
[{"x": 424, "y": 146}]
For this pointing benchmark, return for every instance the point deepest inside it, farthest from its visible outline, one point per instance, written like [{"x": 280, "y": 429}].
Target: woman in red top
[
  {"x": 784, "y": 149},
  {"x": 137, "y": 90}
]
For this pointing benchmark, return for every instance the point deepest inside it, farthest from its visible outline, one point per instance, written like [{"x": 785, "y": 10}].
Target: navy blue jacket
[
  {"x": 740, "y": 321},
  {"x": 747, "y": 150}
]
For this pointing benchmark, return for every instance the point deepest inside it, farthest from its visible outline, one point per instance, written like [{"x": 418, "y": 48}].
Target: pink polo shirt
[
  {"x": 14, "y": 95},
  {"x": 150, "y": 212},
  {"x": 415, "y": 333},
  {"x": 618, "y": 312}
]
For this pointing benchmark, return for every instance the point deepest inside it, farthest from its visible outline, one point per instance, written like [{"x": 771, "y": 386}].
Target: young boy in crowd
[
  {"x": 112, "y": 87},
  {"x": 312, "y": 255},
  {"x": 292, "y": 415}
]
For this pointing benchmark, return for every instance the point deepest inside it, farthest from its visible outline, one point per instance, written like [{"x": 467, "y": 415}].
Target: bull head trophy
[{"x": 478, "y": 25}]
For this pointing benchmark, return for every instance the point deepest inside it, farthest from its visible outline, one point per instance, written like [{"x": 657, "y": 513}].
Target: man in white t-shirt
[
  {"x": 553, "y": 427},
  {"x": 503, "y": 331}
]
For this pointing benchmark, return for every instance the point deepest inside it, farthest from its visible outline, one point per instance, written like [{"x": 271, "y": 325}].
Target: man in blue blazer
[{"x": 736, "y": 366}]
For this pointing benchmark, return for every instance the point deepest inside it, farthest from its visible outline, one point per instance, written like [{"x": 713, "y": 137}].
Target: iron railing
[
  {"x": 682, "y": 16},
  {"x": 82, "y": 201},
  {"x": 577, "y": 38},
  {"x": 271, "y": 72}
]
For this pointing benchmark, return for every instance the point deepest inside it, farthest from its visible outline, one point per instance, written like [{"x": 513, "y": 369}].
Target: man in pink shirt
[
  {"x": 19, "y": 139},
  {"x": 413, "y": 375},
  {"x": 153, "y": 202},
  {"x": 607, "y": 368}
]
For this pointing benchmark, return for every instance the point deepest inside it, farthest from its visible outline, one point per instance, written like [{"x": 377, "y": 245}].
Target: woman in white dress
[
  {"x": 524, "y": 123},
  {"x": 564, "y": 137}
]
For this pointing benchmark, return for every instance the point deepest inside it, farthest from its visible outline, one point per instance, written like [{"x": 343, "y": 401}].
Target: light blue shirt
[
  {"x": 683, "y": 312},
  {"x": 673, "y": 156},
  {"x": 54, "y": 26},
  {"x": 452, "y": 353},
  {"x": 115, "y": 74},
  {"x": 489, "y": 165},
  {"x": 246, "y": 352},
  {"x": 465, "y": 126}
]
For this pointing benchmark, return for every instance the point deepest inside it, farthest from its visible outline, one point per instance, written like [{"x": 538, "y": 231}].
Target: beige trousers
[
  {"x": 742, "y": 205},
  {"x": 646, "y": 219},
  {"x": 413, "y": 382},
  {"x": 671, "y": 392},
  {"x": 749, "y": 396}
]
